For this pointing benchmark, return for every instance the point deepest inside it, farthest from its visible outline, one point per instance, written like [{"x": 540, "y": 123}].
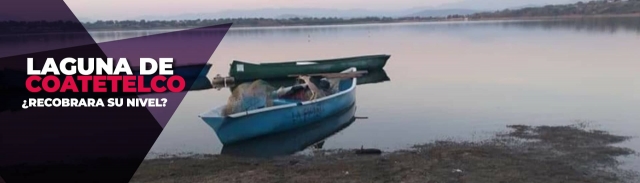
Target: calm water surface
[{"x": 448, "y": 80}]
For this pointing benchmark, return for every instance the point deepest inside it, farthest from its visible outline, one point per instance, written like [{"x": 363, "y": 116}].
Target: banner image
[{"x": 319, "y": 91}]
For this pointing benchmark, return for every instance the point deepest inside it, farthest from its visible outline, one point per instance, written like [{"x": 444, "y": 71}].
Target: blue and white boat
[
  {"x": 293, "y": 141},
  {"x": 282, "y": 116}
]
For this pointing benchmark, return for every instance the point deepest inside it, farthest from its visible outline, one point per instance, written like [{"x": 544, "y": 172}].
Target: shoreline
[
  {"x": 401, "y": 22},
  {"x": 444, "y": 20},
  {"x": 566, "y": 17},
  {"x": 526, "y": 154}
]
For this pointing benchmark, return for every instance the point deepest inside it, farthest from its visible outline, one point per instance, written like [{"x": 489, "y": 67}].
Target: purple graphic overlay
[
  {"x": 104, "y": 144},
  {"x": 187, "y": 47},
  {"x": 80, "y": 144},
  {"x": 26, "y": 16}
]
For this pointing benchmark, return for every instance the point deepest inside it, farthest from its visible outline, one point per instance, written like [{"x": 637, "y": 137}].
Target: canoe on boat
[
  {"x": 372, "y": 77},
  {"x": 292, "y": 141},
  {"x": 245, "y": 71},
  {"x": 285, "y": 114}
]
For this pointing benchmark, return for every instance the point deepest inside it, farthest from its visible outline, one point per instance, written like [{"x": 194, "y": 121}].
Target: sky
[{"x": 126, "y": 9}]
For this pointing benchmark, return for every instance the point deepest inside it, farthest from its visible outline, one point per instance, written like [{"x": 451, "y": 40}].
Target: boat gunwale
[
  {"x": 261, "y": 110},
  {"x": 320, "y": 61}
]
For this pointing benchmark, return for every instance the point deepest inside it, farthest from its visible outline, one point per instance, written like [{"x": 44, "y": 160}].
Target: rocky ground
[{"x": 542, "y": 154}]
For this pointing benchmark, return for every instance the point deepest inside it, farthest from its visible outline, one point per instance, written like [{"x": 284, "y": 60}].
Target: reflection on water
[
  {"x": 10, "y": 43},
  {"x": 290, "y": 142},
  {"x": 17, "y": 44},
  {"x": 595, "y": 25},
  {"x": 450, "y": 79}
]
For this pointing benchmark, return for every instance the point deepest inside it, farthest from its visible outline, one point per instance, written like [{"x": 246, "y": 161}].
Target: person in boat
[{"x": 310, "y": 90}]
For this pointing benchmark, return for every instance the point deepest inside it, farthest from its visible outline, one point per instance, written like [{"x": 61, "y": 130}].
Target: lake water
[{"x": 457, "y": 80}]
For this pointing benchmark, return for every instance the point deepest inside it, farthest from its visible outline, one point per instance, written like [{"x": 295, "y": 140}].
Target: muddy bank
[{"x": 544, "y": 154}]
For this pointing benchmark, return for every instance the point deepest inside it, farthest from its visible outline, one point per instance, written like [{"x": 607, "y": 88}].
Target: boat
[
  {"x": 295, "y": 140},
  {"x": 372, "y": 77},
  {"x": 245, "y": 71},
  {"x": 282, "y": 116}
]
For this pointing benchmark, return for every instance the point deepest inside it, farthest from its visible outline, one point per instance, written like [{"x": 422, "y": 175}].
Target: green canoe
[{"x": 245, "y": 71}]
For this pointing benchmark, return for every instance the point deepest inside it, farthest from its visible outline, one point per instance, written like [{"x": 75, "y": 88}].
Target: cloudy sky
[{"x": 124, "y": 9}]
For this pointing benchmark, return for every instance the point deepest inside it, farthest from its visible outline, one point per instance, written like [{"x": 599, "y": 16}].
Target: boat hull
[
  {"x": 234, "y": 129},
  {"x": 292, "y": 141},
  {"x": 244, "y": 71}
]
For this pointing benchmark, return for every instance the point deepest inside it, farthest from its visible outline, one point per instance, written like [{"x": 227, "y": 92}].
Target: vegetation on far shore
[
  {"x": 592, "y": 8},
  {"x": 247, "y": 22}
]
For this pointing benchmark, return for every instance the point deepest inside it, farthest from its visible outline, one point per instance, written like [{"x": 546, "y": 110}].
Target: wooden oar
[{"x": 334, "y": 75}]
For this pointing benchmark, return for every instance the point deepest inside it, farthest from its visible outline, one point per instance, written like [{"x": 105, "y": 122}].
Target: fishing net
[
  {"x": 259, "y": 94},
  {"x": 249, "y": 96},
  {"x": 334, "y": 85}
]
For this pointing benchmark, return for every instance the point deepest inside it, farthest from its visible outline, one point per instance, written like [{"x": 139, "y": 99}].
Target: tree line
[
  {"x": 244, "y": 22},
  {"x": 600, "y": 7},
  {"x": 8, "y": 27}
]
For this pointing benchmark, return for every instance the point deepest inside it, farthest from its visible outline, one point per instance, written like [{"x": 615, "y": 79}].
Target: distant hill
[
  {"x": 84, "y": 19},
  {"x": 493, "y": 5},
  {"x": 514, "y": 9},
  {"x": 525, "y": 6},
  {"x": 290, "y": 16},
  {"x": 4, "y": 17},
  {"x": 280, "y": 13},
  {"x": 443, "y": 12},
  {"x": 577, "y": 9},
  {"x": 275, "y": 13}
]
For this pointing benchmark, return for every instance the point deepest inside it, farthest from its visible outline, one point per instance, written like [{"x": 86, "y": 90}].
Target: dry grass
[{"x": 545, "y": 154}]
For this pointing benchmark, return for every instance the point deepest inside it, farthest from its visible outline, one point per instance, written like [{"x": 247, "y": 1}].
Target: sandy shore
[{"x": 544, "y": 154}]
